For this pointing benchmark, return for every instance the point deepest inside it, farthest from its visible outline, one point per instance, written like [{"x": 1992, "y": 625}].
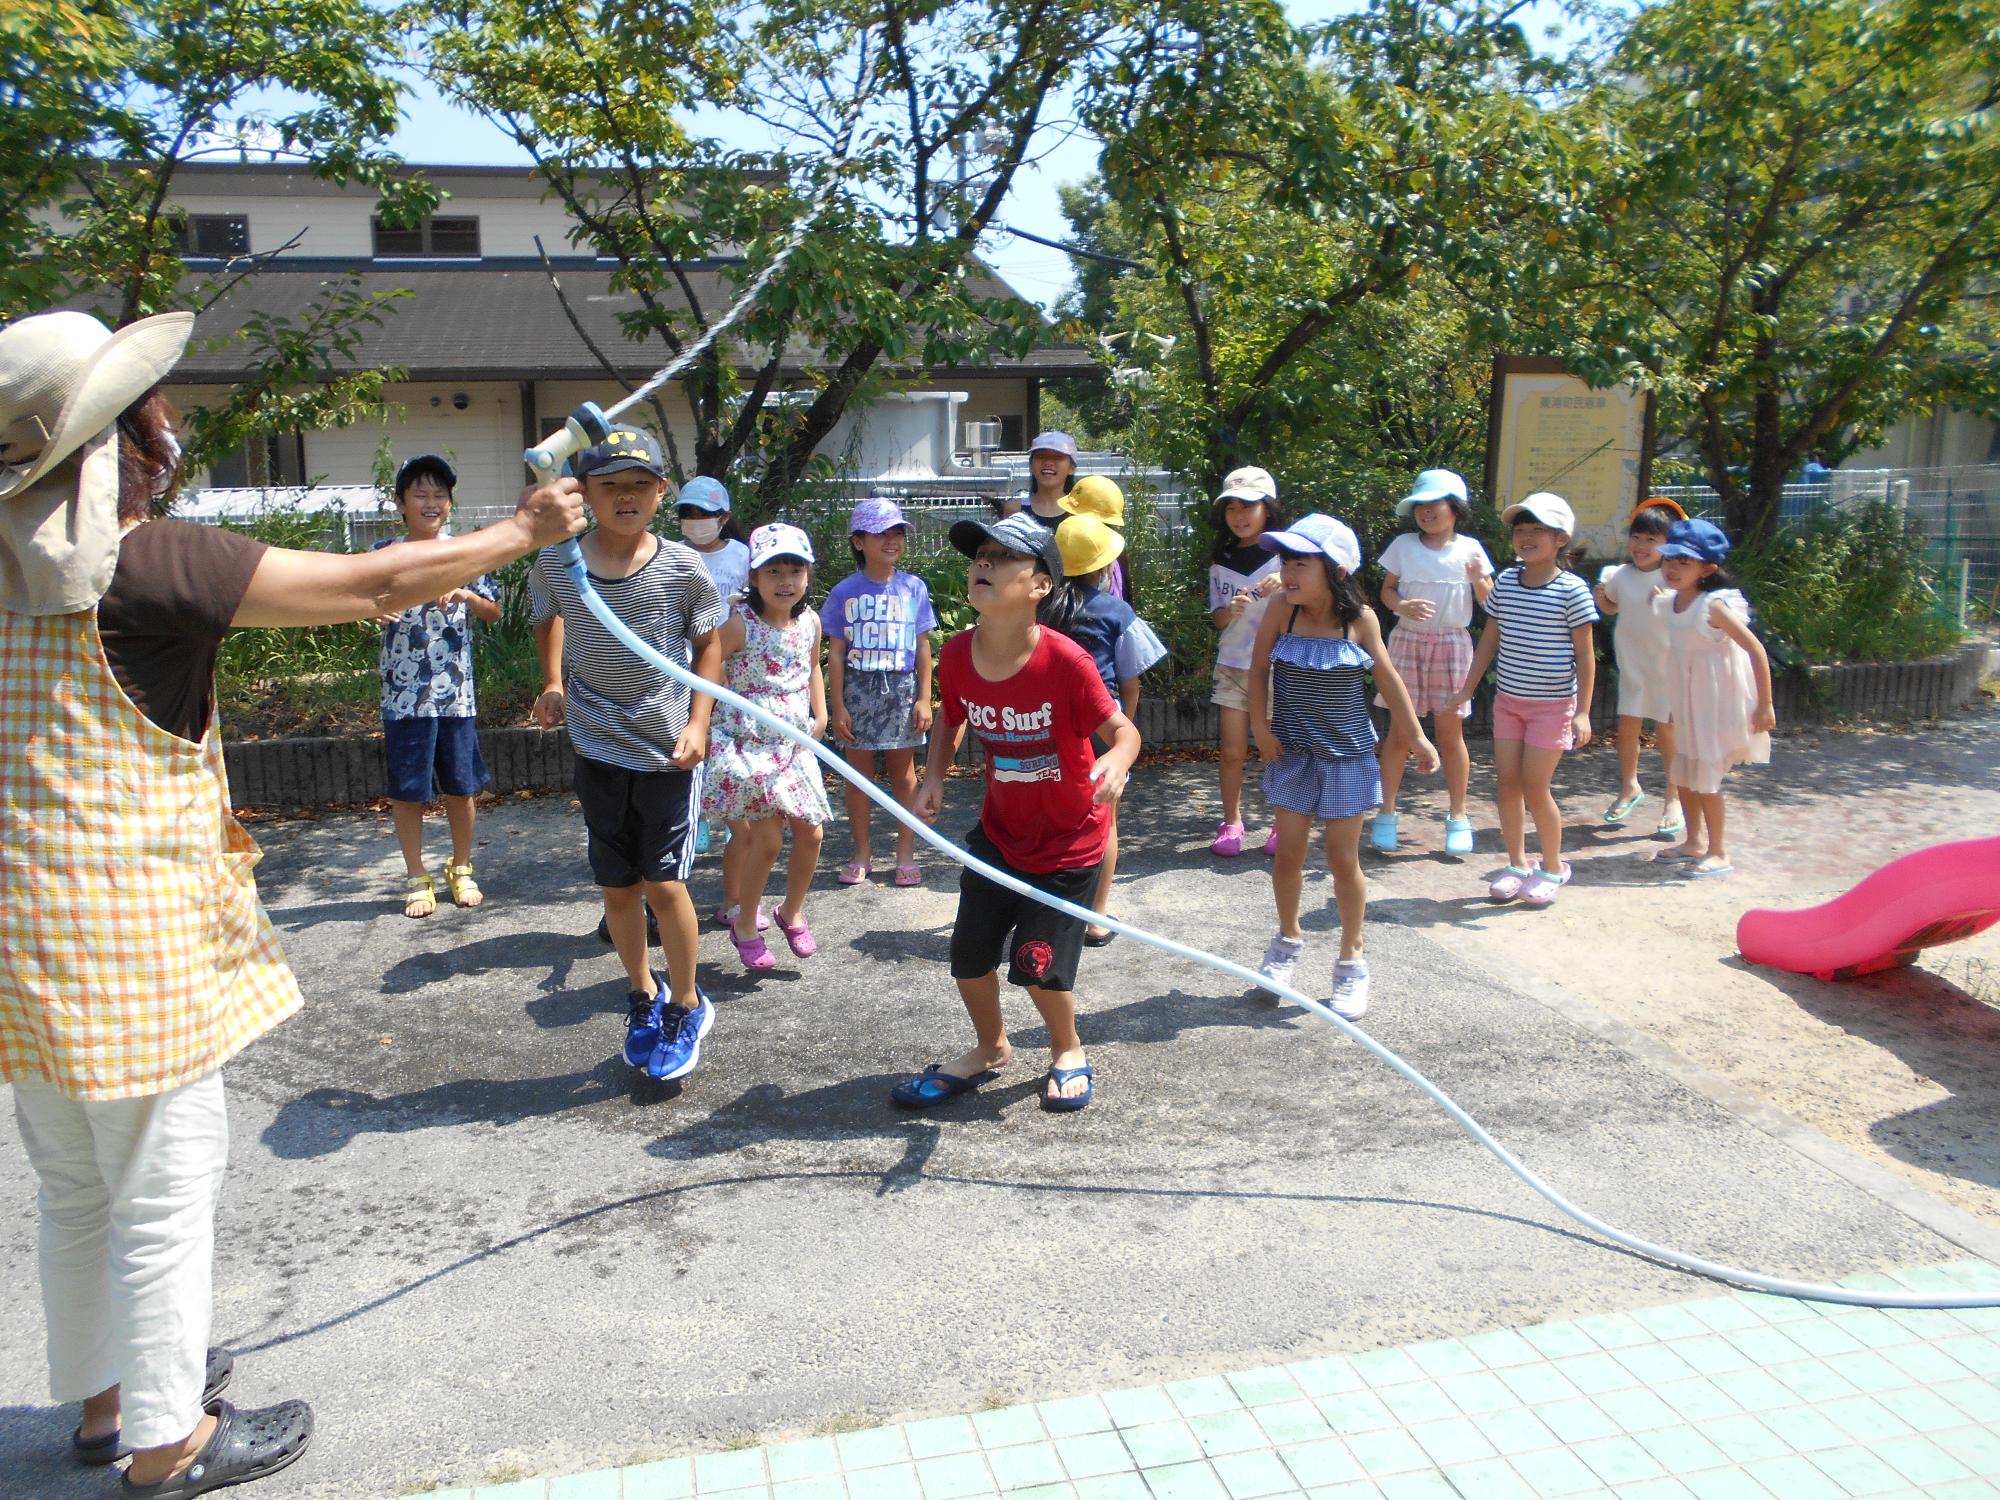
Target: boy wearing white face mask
[{"x": 703, "y": 507}]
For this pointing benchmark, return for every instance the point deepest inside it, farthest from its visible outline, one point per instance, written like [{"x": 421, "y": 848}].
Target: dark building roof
[{"x": 500, "y": 320}]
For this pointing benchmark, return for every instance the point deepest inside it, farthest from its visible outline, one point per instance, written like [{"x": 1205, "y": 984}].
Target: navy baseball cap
[
  {"x": 624, "y": 448},
  {"x": 1704, "y": 541},
  {"x": 1019, "y": 532}
]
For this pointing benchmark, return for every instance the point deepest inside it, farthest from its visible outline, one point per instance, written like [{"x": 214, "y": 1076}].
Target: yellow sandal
[
  {"x": 418, "y": 891},
  {"x": 464, "y": 889}
]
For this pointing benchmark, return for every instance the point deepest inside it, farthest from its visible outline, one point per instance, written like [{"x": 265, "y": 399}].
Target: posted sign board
[{"x": 1548, "y": 430}]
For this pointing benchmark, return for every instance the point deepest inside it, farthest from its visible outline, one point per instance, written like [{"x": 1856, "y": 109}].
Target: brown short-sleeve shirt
[{"x": 176, "y": 588}]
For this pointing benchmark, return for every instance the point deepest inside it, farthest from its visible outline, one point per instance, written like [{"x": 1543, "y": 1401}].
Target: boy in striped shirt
[
  {"x": 1538, "y": 621},
  {"x": 639, "y": 735}
]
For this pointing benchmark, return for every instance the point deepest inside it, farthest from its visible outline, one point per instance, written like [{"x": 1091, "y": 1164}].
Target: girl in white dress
[
  {"x": 1635, "y": 593},
  {"x": 1719, "y": 686}
]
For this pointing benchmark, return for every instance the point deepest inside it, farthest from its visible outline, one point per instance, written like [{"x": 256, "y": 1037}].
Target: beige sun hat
[{"x": 64, "y": 378}]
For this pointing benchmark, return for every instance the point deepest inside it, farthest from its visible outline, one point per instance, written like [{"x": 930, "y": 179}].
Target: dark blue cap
[
  {"x": 623, "y": 448},
  {"x": 1704, "y": 541}
]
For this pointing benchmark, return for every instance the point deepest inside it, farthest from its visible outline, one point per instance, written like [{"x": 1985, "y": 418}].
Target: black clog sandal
[
  {"x": 111, "y": 1447},
  {"x": 246, "y": 1445}
]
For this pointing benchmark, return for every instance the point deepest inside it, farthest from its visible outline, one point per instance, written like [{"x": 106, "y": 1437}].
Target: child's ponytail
[{"x": 1061, "y": 606}]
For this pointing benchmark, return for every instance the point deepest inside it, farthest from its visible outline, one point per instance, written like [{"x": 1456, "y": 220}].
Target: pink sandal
[
  {"x": 909, "y": 875},
  {"x": 854, "y": 872},
  {"x": 804, "y": 944},
  {"x": 725, "y": 916},
  {"x": 755, "y": 953}
]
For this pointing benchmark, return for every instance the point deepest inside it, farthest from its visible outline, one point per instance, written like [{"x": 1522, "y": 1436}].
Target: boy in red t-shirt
[{"x": 1034, "y": 698}]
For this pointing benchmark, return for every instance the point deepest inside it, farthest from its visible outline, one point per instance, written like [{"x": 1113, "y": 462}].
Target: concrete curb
[{"x": 289, "y": 775}]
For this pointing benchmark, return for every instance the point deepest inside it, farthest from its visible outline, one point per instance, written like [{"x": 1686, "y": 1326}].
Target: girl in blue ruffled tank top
[{"x": 1309, "y": 711}]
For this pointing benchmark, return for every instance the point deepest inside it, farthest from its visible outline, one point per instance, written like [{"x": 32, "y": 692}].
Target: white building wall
[{"x": 1933, "y": 440}]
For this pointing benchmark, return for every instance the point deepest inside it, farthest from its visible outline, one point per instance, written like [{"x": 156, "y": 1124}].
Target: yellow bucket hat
[
  {"x": 1087, "y": 544},
  {"x": 1094, "y": 495}
]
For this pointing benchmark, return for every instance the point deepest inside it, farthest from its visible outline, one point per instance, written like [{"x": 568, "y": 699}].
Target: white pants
[{"x": 127, "y": 1201}]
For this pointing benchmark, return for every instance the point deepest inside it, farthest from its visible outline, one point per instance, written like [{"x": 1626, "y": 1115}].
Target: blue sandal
[
  {"x": 1058, "y": 1103},
  {"x": 934, "y": 1086}
]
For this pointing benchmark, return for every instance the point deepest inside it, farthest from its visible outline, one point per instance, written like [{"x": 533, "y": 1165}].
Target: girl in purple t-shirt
[{"x": 879, "y": 674}]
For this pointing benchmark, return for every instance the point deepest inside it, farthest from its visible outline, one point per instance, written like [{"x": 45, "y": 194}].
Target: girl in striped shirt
[
  {"x": 1538, "y": 621},
  {"x": 1315, "y": 646}
]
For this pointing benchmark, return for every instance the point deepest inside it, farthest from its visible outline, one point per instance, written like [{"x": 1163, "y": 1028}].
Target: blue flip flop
[
  {"x": 1058, "y": 1104},
  {"x": 934, "y": 1086}
]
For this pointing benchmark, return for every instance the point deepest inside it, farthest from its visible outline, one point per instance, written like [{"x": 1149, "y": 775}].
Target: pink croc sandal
[
  {"x": 854, "y": 872},
  {"x": 756, "y": 953},
  {"x": 804, "y": 944},
  {"x": 909, "y": 875}
]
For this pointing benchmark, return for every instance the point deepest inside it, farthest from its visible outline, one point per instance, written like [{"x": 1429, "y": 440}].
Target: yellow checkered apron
[{"x": 134, "y": 953}]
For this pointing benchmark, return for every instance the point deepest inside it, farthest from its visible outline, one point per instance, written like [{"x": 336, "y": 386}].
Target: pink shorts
[{"x": 1544, "y": 723}]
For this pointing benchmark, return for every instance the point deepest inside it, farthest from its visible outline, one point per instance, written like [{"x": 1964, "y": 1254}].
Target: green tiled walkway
[{"x": 1726, "y": 1397}]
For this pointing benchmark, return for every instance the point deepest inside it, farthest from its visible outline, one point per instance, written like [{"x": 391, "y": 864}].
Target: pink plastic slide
[{"x": 1937, "y": 895}]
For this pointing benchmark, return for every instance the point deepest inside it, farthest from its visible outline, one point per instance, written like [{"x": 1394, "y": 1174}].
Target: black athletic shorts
[
  {"x": 1045, "y": 944},
  {"x": 641, "y": 823}
]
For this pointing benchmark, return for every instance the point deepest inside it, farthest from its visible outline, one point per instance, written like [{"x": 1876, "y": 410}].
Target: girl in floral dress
[{"x": 757, "y": 780}]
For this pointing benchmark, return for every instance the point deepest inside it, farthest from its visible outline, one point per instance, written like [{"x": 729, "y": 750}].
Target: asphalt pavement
[{"x": 459, "y": 1225}]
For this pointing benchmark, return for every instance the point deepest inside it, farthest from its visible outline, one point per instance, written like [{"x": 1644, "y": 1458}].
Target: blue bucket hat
[
  {"x": 703, "y": 493},
  {"x": 1317, "y": 535},
  {"x": 1704, "y": 541}
]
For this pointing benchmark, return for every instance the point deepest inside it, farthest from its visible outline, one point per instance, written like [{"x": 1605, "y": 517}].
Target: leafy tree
[
  {"x": 100, "y": 106},
  {"x": 600, "y": 96},
  {"x": 1795, "y": 235},
  {"x": 1290, "y": 191}
]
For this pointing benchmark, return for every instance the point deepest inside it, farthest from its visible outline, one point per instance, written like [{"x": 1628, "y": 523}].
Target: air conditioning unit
[{"x": 982, "y": 437}]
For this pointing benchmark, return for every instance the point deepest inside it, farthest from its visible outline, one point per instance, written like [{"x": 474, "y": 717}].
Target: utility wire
[{"x": 1077, "y": 250}]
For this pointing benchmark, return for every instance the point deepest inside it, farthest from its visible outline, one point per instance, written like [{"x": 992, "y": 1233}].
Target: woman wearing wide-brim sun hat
[{"x": 139, "y": 958}]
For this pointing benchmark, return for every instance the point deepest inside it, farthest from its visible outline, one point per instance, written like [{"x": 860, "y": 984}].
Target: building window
[
  {"x": 217, "y": 235},
  {"x": 1013, "y": 434},
  {"x": 277, "y": 459},
  {"x": 456, "y": 237}
]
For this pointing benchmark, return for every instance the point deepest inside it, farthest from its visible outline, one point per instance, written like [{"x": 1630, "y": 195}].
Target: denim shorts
[
  {"x": 427, "y": 756},
  {"x": 879, "y": 705}
]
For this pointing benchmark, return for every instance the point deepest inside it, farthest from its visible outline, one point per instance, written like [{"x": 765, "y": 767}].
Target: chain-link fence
[{"x": 1956, "y": 510}]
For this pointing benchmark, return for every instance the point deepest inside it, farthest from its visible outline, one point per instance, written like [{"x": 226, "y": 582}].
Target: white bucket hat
[
  {"x": 64, "y": 379},
  {"x": 1551, "y": 510}
]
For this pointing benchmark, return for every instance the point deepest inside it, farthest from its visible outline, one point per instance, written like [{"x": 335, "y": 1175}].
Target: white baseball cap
[
  {"x": 1320, "y": 534},
  {"x": 1432, "y": 485},
  {"x": 1551, "y": 510},
  {"x": 779, "y": 540},
  {"x": 1249, "y": 483}
]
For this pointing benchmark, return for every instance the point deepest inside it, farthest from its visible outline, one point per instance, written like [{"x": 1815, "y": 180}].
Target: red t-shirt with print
[{"x": 1035, "y": 728}]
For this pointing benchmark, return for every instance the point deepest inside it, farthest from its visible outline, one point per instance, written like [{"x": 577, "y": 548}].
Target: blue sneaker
[
  {"x": 643, "y": 1026},
  {"x": 681, "y": 1031}
]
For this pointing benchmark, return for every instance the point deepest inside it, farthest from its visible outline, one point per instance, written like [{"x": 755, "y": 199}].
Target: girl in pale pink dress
[
  {"x": 1718, "y": 686},
  {"x": 758, "y": 781}
]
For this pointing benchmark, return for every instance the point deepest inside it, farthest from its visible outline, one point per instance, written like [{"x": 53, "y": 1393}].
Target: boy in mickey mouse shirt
[{"x": 1034, "y": 698}]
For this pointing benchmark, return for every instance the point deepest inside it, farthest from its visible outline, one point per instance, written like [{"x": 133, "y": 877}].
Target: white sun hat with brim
[
  {"x": 1248, "y": 483},
  {"x": 64, "y": 380},
  {"x": 1433, "y": 485},
  {"x": 1551, "y": 510}
]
